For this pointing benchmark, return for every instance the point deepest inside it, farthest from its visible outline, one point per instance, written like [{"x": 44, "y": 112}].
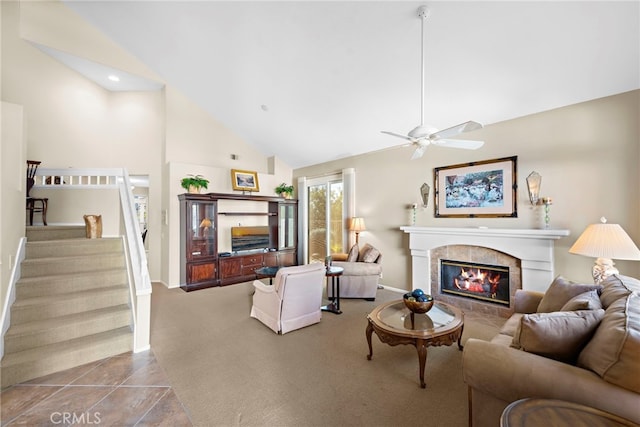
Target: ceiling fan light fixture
[
  {"x": 421, "y": 131},
  {"x": 421, "y": 136}
]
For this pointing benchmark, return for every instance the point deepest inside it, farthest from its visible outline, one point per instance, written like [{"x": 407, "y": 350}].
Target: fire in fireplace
[{"x": 477, "y": 281}]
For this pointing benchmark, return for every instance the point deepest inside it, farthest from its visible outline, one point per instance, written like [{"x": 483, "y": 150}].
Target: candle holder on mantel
[
  {"x": 414, "y": 208},
  {"x": 547, "y": 202}
]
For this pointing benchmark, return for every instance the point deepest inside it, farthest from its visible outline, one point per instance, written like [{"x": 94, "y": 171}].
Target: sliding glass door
[{"x": 325, "y": 218}]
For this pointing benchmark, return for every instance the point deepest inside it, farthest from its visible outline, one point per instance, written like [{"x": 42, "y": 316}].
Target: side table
[{"x": 333, "y": 274}]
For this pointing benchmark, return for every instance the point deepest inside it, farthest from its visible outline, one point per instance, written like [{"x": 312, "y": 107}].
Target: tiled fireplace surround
[{"x": 527, "y": 252}]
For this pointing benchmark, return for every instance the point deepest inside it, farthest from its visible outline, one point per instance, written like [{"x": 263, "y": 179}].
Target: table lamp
[
  {"x": 605, "y": 242},
  {"x": 205, "y": 225},
  {"x": 357, "y": 224}
]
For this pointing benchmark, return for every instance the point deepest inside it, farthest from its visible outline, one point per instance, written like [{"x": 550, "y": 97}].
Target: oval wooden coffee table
[{"x": 394, "y": 324}]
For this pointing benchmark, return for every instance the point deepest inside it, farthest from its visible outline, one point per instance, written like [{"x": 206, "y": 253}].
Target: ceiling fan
[{"x": 423, "y": 135}]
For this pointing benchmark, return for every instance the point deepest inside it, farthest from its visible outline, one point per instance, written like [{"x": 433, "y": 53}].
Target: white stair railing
[{"x": 140, "y": 283}]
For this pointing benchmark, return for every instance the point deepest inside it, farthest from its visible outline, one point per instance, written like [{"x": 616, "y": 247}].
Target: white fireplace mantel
[{"x": 534, "y": 248}]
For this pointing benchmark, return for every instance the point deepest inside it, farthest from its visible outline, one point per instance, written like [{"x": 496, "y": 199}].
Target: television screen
[{"x": 249, "y": 238}]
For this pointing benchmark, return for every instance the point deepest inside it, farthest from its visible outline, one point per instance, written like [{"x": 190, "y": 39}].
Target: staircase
[{"x": 72, "y": 304}]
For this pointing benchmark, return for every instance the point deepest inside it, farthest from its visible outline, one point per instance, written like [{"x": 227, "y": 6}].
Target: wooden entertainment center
[{"x": 201, "y": 263}]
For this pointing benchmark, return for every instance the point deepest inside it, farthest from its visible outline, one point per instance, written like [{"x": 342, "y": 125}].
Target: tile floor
[{"x": 125, "y": 390}]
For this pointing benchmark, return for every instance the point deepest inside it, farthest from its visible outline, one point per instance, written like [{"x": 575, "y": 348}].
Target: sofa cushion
[
  {"x": 559, "y": 335},
  {"x": 613, "y": 351},
  {"x": 560, "y": 291},
  {"x": 511, "y": 325},
  {"x": 363, "y": 250},
  {"x": 353, "y": 253},
  {"x": 617, "y": 286},
  {"x": 371, "y": 255},
  {"x": 585, "y": 301}
]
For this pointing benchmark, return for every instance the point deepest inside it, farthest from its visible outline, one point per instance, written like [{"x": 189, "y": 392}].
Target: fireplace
[
  {"x": 484, "y": 282},
  {"x": 527, "y": 252},
  {"x": 447, "y": 263}
]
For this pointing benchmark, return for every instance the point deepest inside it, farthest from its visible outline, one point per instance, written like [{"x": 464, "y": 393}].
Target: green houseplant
[
  {"x": 284, "y": 190},
  {"x": 193, "y": 183}
]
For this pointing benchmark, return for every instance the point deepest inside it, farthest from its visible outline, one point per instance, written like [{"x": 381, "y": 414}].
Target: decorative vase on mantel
[
  {"x": 285, "y": 195},
  {"x": 194, "y": 190}
]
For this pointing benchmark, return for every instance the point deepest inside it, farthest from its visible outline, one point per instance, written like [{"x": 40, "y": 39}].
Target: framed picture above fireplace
[{"x": 478, "y": 189}]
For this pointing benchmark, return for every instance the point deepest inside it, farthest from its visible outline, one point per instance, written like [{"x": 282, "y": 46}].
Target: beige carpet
[{"x": 230, "y": 370}]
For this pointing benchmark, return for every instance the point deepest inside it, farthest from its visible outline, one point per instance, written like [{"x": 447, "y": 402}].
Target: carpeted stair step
[
  {"x": 71, "y": 264},
  {"x": 65, "y": 283},
  {"x": 70, "y": 247},
  {"x": 49, "y": 306},
  {"x": 38, "y": 333},
  {"x": 55, "y": 232},
  {"x": 72, "y": 304},
  {"x": 36, "y": 362}
]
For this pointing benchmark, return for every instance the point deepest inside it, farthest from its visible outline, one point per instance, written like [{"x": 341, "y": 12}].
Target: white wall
[
  {"x": 587, "y": 155},
  {"x": 12, "y": 188},
  {"x": 75, "y": 123}
]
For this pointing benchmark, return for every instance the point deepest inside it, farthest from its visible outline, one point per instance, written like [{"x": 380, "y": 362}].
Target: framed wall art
[
  {"x": 244, "y": 180},
  {"x": 477, "y": 189}
]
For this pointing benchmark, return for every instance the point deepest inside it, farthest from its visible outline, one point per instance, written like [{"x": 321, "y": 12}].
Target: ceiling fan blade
[
  {"x": 419, "y": 151},
  {"x": 398, "y": 135},
  {"x": 466, "y": 144},
  {"x": 456, "y": 130}
]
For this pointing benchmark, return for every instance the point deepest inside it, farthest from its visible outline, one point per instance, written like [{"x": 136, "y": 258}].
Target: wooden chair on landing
[{"x": 35, "y": 204}]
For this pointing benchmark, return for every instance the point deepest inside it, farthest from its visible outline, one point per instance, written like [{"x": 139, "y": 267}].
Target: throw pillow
[
  {"x": 585, "y": 301},
  {"x": 363, "y": 251},
  {"x": 612, "y": 353},
  {"x": 353, "y": 253},
  {"x": 618, "y": 286},
  {"x": 560, "y": 335},
  {"x": 371, "y": 255},
  {"x": 561, "y": 291}
]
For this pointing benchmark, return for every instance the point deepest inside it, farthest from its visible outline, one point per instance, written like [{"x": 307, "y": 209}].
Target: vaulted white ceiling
[{"x": 313, "y": 81}]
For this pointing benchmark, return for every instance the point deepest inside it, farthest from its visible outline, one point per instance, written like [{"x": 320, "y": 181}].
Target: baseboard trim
[
  {"x": 5, "y": 320},
  {"x": 392, "y": 289}
]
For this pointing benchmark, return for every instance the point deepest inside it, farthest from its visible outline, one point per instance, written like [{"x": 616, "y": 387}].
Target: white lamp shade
[
  {"x": 606, "y": 241},
  {"x": 357, "y": 224}
]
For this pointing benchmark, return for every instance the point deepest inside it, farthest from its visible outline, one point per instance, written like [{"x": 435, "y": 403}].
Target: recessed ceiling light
[{"x": 114, "y": 78}]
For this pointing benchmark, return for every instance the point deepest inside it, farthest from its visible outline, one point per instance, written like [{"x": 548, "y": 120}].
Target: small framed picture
[{"x": 244, "y": 180}]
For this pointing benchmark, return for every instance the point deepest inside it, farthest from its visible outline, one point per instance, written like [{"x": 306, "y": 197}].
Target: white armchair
[{"x": 294, "y": 299}]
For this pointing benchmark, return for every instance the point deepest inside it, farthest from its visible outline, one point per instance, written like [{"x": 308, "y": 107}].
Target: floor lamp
[{"x": 357, "y": 224}]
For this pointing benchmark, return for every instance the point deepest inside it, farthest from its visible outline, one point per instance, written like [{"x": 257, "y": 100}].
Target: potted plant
[
  {"x": 193, "y": 183},
  {"x": 284, "y": 190}
]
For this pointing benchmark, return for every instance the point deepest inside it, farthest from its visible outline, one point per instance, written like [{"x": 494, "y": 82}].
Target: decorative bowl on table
[{"x": 417, "y": 301}]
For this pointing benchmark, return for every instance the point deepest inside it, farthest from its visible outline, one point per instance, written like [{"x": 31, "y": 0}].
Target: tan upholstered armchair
[
  {"x": 294, "y": 299},
  {"x": 362, "y": 271}
]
